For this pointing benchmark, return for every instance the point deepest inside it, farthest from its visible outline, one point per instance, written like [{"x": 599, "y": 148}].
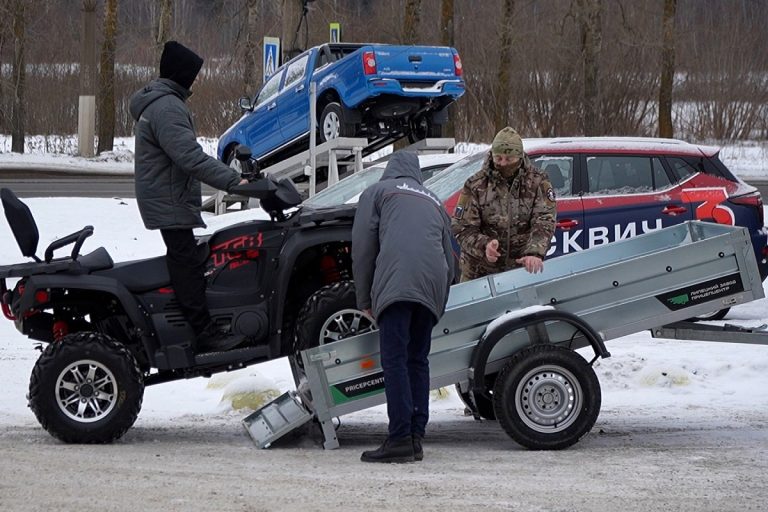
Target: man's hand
[
  {"x": 492, "y": 251},
  {"x": 368, "y": 312},
  {"x": 533, "y": 264},
  {"x": 243, "y": 182}
]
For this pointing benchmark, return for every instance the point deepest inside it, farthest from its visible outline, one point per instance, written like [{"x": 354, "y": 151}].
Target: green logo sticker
[{"x": 679, "y": 300}]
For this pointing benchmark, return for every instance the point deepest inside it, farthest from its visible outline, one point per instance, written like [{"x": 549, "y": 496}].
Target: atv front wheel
[
  {"x": 86, "y": 388},
  {"x": 330, "y": 314}
]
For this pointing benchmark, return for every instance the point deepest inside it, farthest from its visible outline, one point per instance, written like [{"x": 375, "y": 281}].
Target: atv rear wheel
[{"x": 86, "y": 388}]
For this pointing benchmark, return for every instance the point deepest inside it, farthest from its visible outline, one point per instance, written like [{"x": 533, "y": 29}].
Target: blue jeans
[{"x": 405, "y": 336}]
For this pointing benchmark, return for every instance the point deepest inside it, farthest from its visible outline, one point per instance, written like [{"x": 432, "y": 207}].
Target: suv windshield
[
  {"x": 451, "y": 179},
  {"x": 347, "y": 189}
]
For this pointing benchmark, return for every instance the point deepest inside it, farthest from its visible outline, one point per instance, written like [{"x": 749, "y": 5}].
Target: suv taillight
[
  {"x": 754, "y": 200},
  {"x": 369, "y": 63},
  {"x": 457, "y": 64}
]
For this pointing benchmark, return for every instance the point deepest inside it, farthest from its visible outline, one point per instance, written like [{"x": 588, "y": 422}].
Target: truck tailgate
[{"x": 426, "y": 64}]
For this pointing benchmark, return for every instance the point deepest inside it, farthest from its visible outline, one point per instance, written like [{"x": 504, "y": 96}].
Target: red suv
[{"x": 611, "y": 188}]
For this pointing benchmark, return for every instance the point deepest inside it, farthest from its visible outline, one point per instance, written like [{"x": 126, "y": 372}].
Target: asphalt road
[
  {"x": 58, "y": 184},
  {"x": 55, "y": 184}
]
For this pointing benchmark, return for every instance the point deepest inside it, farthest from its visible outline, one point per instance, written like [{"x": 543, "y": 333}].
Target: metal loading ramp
[{"x": 523, "y": 328}]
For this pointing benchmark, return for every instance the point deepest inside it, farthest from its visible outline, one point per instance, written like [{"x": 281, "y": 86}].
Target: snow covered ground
[{"x": 683, "y": 426}]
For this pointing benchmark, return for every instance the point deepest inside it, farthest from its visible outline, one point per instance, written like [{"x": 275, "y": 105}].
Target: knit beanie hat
[
  {"x": 507, "y": 142},
  {"x": 180, "y": 64}
]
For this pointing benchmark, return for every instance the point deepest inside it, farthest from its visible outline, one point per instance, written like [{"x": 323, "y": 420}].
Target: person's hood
[
  {"x": 152, "y": 91},
  {"x": 180, "y": 64},
  {"x": 403, "y": 164}
]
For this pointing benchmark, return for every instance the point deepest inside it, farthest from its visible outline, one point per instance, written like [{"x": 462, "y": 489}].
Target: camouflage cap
[{"x": 507, "y": 142}]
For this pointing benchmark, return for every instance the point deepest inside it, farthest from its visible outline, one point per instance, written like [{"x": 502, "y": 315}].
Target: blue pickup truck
[{"x": 363, "y": 90}]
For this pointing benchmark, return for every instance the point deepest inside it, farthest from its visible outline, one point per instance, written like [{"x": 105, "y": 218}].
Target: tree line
[{"x": 694, "y": 69}]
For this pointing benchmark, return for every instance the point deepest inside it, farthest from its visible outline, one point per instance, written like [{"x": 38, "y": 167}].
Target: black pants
[
  {"x": 186, "y": 266},
  {"x": 405, "y": 337}
]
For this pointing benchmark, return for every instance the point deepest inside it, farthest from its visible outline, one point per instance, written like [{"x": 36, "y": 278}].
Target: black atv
[{"x": 109, "y": 329}]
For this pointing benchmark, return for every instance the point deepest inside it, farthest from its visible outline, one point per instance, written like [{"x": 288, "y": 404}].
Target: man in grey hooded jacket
[
  {"x": 403, "y": 262},
  {"x": 169, "y": 166}
]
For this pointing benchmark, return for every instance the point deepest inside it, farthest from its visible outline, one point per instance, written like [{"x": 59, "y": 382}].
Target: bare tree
[
  {"x": 501, "y": 113},
  {"x": 589, "y": 13},
  {"x": 667, "y": 69},
  {"x": 106, "y": 97},
  {"x": 162, "y": 31},
  {"x": 19, "y": 114},
  {"x": 252, "y": 57},
  {"x": 4, "y": 14},
  {"x": 293, "y": 18},
  {"x": 411, "y": 21}
]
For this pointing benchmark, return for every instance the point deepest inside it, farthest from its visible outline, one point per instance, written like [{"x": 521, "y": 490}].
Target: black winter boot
[
  {"x": 418, "y": 452},
  {"x": 392, "y": 450},
  {"x": 213, "y": 339}
]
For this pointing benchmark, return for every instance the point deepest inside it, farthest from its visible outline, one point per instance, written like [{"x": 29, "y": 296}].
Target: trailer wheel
[
  {"x": 547, "y": 397},
  {"x": 86, "y": 388},
  {"x": 330, "y": 314}
]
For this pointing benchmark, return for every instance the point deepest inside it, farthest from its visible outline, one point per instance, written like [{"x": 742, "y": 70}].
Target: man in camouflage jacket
[{"x": 505, "y": 216}]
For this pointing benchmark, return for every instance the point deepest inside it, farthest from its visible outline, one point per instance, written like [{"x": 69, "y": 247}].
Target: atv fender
[
  {"x": 86, "y": 283},
  {"x": 295, "y": 245}
]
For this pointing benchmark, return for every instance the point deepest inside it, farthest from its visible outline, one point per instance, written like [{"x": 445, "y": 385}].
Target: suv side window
[
  {"x": 295, "y": 71},
  {"x": 619, "y": 174},
  {"x": 559, "y": 169},
  {"x": 681, "y": 168},
  {"x": 269, "y": 90}
]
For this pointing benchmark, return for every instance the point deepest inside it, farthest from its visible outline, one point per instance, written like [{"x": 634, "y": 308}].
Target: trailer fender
[{"x": 499, "y": 330}]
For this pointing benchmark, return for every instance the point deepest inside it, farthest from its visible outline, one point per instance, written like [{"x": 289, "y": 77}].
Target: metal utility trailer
[{"x": 509, "y": 339}]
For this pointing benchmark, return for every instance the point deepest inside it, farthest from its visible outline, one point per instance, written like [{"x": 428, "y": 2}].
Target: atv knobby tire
[
  {"x": 330, "y": 314},
  {"x": 547, "y": 397},
  {"x": 86, "y": 388}
]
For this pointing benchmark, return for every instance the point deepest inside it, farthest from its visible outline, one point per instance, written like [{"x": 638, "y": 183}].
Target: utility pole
[{"x": 86, "y": 119}]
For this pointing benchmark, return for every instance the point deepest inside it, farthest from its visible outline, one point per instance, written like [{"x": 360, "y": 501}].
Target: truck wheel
[
  {"x": 87, "y": 388},
  {"x": 547, "y": 397},
  {"x": 332, "y": 123},
  {"x": 330, "y": 314},
  {"x": 483, "y": 403},
  {"x": 423, "y": 128}
]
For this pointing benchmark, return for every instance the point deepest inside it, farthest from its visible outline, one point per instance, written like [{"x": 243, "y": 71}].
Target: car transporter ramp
[{"x": 509, "y": 339}]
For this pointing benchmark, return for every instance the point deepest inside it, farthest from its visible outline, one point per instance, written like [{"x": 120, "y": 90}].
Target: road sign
[
  {"x": 335, "y": 32},
  {"x": 271, "y": 56}
]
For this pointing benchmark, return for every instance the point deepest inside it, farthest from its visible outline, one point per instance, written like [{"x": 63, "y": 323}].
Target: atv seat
[
  {"x": 85, "y": 264},
  {"x": 24, "y": 229},
  {"x": 140, "y": 276}
]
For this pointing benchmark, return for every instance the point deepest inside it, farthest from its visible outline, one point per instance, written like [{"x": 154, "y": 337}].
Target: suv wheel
[{"x": 87, "y": 388}]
